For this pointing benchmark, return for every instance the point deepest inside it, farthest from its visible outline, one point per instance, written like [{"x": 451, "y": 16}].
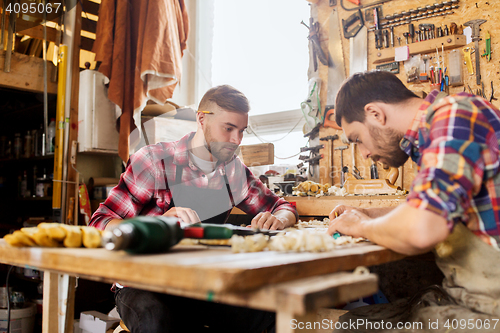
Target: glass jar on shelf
[
  {"x": 17, "y": 145},
  {"x": 27, "y": 145}
]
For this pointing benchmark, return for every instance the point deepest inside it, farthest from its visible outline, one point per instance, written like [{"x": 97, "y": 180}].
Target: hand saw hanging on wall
[{"x": 336, "y": 72}]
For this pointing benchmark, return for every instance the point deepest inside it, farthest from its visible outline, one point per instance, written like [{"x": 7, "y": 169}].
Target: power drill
[{"x": 144, "y": 234}]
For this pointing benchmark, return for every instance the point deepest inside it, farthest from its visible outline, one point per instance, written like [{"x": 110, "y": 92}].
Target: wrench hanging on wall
[{"x": 474, "y": 24}]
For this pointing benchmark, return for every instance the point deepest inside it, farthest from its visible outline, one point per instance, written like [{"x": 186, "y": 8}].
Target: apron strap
[
  {"x": 178, "y": 174},
  {"x": 228, "y": 188}
]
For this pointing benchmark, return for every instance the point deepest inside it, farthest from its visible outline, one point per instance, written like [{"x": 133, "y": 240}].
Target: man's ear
[
  {"x": 200, "y": 119},
  {"x": 374, "y": 113}
]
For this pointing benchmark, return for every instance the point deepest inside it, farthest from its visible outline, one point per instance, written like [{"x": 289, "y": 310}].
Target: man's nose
[{"x": 236, "y": 137}]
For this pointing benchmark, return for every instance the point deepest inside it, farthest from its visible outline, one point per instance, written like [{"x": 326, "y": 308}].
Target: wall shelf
[
  {"x": 423, "y": 47},
  {"x": 30, "y": 159},
  {"x": 35, "y": 199}
]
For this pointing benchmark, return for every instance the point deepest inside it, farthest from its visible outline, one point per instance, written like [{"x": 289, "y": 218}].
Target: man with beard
[
  {"x": 452, "y": 207},
  {"x": 197, "y": 179}
]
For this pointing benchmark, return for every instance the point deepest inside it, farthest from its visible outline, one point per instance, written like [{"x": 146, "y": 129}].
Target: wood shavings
[
  {"x": 310, "y": 188},
  {"x": 292, "y": 241},
  {"x": 299, "y": 241},
  {"x": 313, "y": 223},
  {"x": 343, "y": 240},
  {"x": 335, "y": 190}
]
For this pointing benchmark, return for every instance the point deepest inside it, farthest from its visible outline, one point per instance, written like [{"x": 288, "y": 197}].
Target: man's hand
[
  {"x": 266, "y": 220},
  {"x": 187, "y": 215},
  {"x": 341, "y": 209},
  {"x": 350, "y": 222}
]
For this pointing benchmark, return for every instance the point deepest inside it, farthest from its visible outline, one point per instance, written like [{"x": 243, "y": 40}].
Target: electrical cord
[
  {"x": 252, "y": 131},
  {"x": 285, "y": 158},
  {"x": 308, "y": 104}
]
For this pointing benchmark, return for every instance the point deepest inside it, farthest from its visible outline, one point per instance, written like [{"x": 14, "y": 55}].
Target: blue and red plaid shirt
[
  {"x": 455, "y": 142},
  {"x": 142, "y": 189}
]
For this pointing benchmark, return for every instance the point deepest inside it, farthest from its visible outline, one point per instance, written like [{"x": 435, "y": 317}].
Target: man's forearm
[
  {"x": 407, "y": 230},
  {"x": 377, "y": 212},
  {"x": 286, "y": 215}
]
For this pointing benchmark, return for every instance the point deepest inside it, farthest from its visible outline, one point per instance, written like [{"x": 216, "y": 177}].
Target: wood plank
[
  {"x": 90, "y": 7},
  {"x": 73, "y": 117},
  {"x": 27, "y": 28},
  {"x": 266, "y": 298},
  {"x": 50, "y": 322},
  {"x": 301, "y": 297},
  {"x": 258, "y": 154},
  {"x": 197, "y": 268},
  {"x": 70, "y": 311},
  {"x": 423, "y": 47},
  {"x": 26, "y": 74},
  {"x": 311, "y": 206},
  {"x": 322, "y": 206}
]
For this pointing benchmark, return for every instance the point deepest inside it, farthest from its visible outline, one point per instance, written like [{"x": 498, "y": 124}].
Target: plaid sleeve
[
  {"x": 459, "y": 148},
  {"x": 135, "y": 189},
  {"x": 260, "y": 199}
]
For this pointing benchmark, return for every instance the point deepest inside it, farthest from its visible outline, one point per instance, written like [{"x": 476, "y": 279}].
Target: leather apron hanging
[
  {"x": 470, "y": 293},
  {"x": 211, "y": 205}
]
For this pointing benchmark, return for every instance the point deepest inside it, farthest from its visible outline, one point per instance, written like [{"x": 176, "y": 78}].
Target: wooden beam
[
  {"x": 37, "y": 32},
  {"x": 34, "y": 30},
  {"x": 90, "y": 7},
  {"x": 50, "y": 322},
  {"x": 26, "y": 74},
  {"x": 73, "y": 113}
]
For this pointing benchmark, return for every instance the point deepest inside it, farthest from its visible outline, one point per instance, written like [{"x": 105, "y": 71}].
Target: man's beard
[
  {"x": 387, "y": 144},
  {"x": 222, "y": 151}
]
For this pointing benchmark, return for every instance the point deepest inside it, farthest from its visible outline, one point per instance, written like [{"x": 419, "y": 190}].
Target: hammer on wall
[
  {"x": 343, "y": 169},
  {"x": 330, "y": 139}
]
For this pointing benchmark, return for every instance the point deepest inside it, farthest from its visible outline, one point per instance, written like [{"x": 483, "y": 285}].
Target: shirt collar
[
  {"x": 181, "y": 156},
  {"x": 411, "y": 137}
]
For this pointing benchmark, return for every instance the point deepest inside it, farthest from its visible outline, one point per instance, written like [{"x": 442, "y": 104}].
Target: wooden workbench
[
  {"x": 322, "y": 206},
  {"x": 281, "y": 282}
]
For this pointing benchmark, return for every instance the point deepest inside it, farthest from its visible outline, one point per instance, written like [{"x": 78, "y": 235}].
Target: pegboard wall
[{"x": 466, "y": 11}]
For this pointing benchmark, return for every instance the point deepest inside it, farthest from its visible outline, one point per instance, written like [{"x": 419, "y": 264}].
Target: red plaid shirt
[{"x": 142, "y": 189}]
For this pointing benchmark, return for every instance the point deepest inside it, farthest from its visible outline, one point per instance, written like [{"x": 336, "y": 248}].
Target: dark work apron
[
  {"x": 211, "y": 205},
  {"x": 470, "y": 293}
]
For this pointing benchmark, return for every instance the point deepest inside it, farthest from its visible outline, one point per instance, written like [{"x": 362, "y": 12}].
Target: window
[{"x": 260, "y": 48}]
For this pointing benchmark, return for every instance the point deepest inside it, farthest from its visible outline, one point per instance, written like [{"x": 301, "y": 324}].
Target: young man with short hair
[
  {"x": 453, "y": 206},
  {"x": 197, "y": 179}
]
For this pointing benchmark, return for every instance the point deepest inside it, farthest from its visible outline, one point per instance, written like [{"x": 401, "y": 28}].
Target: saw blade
[{"x": 358, "y": 60}]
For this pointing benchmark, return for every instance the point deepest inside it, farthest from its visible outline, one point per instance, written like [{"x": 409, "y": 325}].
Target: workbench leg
[
  {"x": 70, "y": 305},
  {"x": 58, "y": 303},
  {"x": 288, "y": 323}
]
